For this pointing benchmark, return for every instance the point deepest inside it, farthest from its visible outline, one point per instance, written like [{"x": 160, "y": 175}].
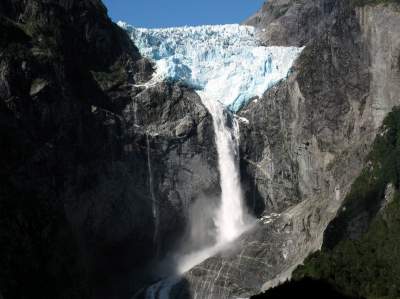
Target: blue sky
[{"x": 168, "y": 13}]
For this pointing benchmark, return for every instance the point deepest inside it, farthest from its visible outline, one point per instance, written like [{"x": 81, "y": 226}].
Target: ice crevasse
[{"x": 226, "y": 62}]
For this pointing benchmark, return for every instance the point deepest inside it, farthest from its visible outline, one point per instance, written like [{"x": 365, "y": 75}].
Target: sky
[{"x": 171, "y": 13}]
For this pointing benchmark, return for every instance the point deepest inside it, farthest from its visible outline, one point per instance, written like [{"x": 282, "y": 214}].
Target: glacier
[{"x": 226, "y": 62}]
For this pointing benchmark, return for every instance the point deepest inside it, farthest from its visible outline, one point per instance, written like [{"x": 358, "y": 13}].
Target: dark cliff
[{"x": 88, "y": 156}]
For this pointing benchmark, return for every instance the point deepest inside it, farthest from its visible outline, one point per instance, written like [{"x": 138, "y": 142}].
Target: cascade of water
[
  {"x": 153, "y": 197},
  {"x": 230, "y": 217}
]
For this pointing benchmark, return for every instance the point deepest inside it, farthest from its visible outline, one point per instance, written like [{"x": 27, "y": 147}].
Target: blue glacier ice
[{"x": 226, "y": 62}]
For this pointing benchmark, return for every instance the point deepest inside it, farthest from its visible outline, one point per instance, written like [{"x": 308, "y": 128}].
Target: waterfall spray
[{"x": 154, "y": 206}]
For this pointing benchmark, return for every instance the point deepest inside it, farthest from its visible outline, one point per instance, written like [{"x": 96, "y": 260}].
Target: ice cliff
[{"x": 226, "y": 62}]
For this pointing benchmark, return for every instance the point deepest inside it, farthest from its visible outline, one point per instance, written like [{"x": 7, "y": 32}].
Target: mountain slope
[
  {"x": 81, "y": 141},
  {"x": 99, "y": 169}
]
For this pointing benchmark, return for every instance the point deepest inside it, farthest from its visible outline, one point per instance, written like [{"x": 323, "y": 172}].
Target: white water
[
  {"x": 230, "y": 220},
  {"x": 153, "y": 197}
]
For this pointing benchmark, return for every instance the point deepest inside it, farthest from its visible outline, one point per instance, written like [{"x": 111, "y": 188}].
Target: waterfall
[
  {"x": 153, "y": 198},
  {"x": 230, "y": 216},
  {"x": 231, "y": 219}
]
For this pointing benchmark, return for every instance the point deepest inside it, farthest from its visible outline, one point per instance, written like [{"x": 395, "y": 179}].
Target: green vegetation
[
  {"x": 368, "y": 190},
  {"x": 304, "y": 288},
  {"x": 368, "y": 266}
]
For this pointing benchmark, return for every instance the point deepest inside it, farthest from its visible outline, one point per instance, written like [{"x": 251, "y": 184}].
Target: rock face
[
  {"x": 174, "y": 129},
  {"x": 293, "y": 22},
  {"x": 306, "y": 140},
  {"x": 96, "y": 171}
]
